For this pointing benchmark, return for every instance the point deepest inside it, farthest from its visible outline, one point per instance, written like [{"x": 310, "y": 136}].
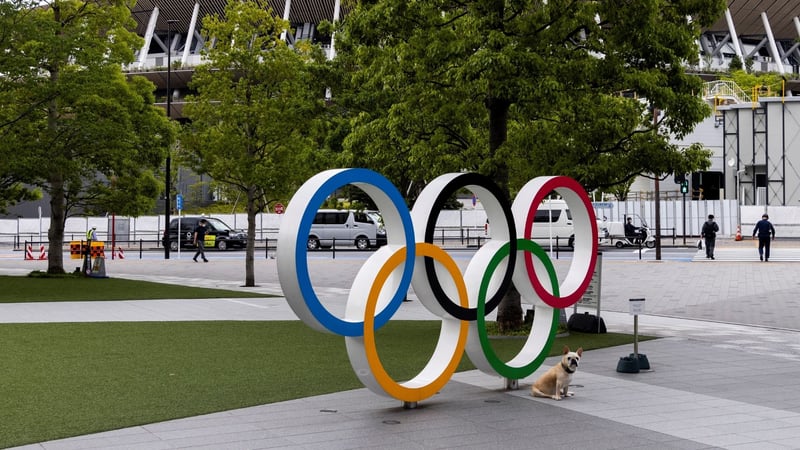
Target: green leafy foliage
[
  {"x": 757, "y": 84},
  {"x": 520, "y": 89}
]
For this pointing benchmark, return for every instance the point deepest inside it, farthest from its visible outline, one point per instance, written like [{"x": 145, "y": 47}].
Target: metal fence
[{"x": 455, "y": 228}]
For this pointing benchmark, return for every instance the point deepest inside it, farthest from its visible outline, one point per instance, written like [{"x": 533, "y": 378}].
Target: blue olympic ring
[{"x": 392, "y": 203}]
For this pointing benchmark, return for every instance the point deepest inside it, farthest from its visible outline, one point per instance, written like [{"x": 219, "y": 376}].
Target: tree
[
  {"x": 78, "y": 129},
  {"x": 735, "y": 64},
  {"x": 516, "y": 89},
  {"x": 253, "y": 120}
]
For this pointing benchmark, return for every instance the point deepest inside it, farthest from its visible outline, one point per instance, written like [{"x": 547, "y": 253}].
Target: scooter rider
[{"x": 631, "y": 232}]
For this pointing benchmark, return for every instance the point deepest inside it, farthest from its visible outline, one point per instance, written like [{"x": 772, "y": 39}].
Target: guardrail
[{"x": 137, "y": 248}]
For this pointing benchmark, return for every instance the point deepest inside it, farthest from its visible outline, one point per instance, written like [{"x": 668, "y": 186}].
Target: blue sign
[
  {"x": 603, "y": 205},
  {"x": 179, "y": 202}
]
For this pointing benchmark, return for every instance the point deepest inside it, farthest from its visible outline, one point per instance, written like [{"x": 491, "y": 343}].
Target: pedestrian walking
[
  {"x": 766, "y": 233},
  {"x": 200, "y": 239},
  {"x": 709, "y": 233}
]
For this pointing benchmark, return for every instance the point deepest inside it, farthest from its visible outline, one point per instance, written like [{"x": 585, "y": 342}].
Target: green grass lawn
[
  {"x": 67, "y": 379},
  {"x": 61, "y": 380},
  {"x": 71, "y": 288}
]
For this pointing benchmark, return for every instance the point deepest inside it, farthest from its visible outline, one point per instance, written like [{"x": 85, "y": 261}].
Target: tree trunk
[
  {"x": 58, "y": 201},
  {"x": 509, "y": 312},
  {"x": 249, "y": 259},
  {"x": 55, "y": 234}
]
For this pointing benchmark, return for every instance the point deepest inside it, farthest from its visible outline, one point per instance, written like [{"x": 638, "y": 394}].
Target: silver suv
[{"x": 362, "y": 229}]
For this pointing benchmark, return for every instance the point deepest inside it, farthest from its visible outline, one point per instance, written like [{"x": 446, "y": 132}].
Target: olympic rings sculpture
[{"x": 461, "y": 301}]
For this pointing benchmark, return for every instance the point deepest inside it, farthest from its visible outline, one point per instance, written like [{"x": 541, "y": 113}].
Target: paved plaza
[{"x": 724, "y": 374}]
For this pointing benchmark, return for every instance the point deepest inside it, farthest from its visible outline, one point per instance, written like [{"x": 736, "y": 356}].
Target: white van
[
  {"x": 553, "y": 223},
  {"x": 341, "y": 227}
]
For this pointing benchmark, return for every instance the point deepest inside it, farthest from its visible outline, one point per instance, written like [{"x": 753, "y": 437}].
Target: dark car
[{"x": 224, "y": 237}]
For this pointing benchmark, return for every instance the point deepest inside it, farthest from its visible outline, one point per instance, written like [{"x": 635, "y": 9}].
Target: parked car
[
  {"x": 362, "y": 229},
  {"x": 223, "y": 236}
]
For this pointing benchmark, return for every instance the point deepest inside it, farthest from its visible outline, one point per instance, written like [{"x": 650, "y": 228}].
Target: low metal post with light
[
  {"x": 167, "y": 195},
  {"x": 739, "y": 195},
  {"x": 731, "y": 163}
]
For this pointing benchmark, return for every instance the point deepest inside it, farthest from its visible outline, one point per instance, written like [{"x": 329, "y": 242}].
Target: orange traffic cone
[{"x": 738, "y": 233}]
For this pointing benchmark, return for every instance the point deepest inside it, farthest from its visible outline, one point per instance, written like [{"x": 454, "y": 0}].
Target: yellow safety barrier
[{"x": 78, "y": 248}]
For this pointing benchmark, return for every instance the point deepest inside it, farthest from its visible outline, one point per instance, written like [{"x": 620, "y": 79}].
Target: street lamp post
[
  {"x": 658, "y": 195},
  {"x": 168, "y": 175},
  {"x": 739, "y": 196},
  {"x": 733, "y": 162}
]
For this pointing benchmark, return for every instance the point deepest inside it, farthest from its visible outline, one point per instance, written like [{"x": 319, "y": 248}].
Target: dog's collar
[{"x": 567, "y": 368}]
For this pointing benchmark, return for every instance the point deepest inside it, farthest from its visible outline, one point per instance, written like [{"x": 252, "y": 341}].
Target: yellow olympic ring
[{"x": 453, "y": 337}]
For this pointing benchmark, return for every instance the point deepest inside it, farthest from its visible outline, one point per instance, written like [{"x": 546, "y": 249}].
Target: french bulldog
[{"x": 555, "y": 382}]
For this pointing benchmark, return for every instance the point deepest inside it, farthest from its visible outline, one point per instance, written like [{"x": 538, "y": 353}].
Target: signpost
[
  {"x": 635, "y": 361},
  {"x": 591, "y": 298}
]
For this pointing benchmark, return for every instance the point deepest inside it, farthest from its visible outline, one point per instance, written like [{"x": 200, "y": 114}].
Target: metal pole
[
  {"x": 636, "y": 337},
  {"x": 684, "y": 218},
  {"x": 739, "y": 198},
  {"x": 167, "y": 175},
  {"x": 658, "y": 196},
  {"x": 113, "y": 235}
]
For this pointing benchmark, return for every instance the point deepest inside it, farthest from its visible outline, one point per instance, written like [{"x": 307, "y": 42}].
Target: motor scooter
[{"x": 645, "y": 237}]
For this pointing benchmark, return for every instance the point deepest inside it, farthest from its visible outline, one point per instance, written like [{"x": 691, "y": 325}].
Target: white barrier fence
[{"x": 466, "y": 224}]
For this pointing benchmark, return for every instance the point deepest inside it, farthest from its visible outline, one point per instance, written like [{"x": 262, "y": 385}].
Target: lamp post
[
  {"x": 168, "y": 196},
  {"x": 658, "y": 194},
  {"x": 739, "y": 196},
  {"x": 733, "y": 162}
]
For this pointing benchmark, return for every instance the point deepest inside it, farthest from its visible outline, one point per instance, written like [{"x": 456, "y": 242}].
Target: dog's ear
[
  {"x": 566, "y": 350},
  {"x": 579, "y": 351}
]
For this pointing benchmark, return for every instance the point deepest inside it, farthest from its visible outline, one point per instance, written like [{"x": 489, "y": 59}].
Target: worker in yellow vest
[{"x": 91, "y": 235}]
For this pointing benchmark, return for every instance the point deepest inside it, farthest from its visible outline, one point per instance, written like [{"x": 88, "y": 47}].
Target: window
[
  {"x": 330, "y": 218},
  {"x": 544, "y": 215},
  {"x": 362, "y": 218}
]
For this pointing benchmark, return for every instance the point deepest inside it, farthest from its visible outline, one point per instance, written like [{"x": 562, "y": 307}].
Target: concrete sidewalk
[{"x": 726, "y": 381}]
